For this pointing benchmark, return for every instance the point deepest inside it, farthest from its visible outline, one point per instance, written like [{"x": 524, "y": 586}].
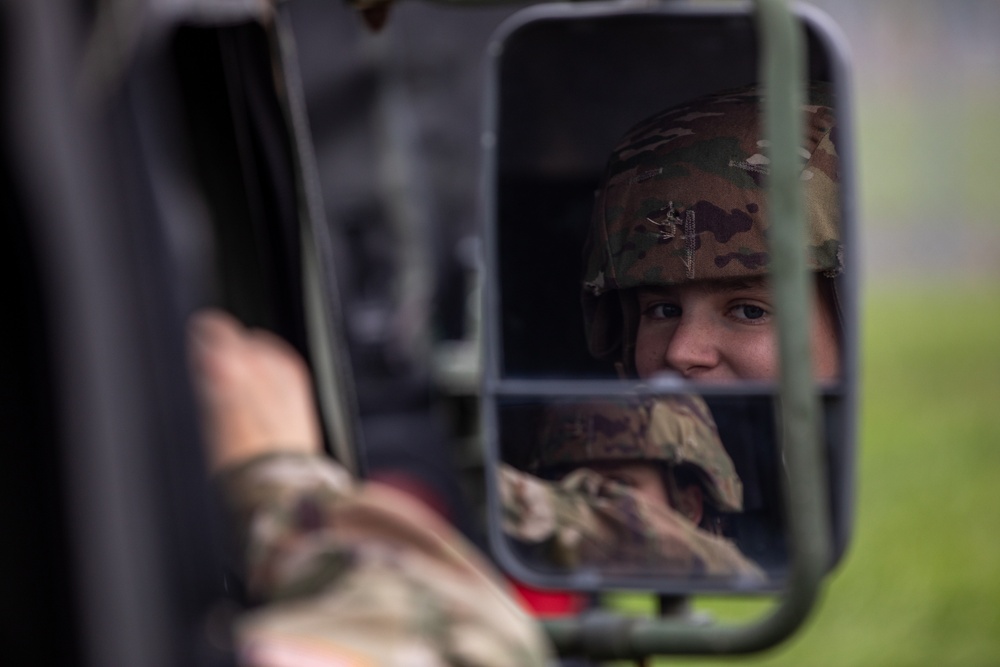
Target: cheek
[
  {"x": 751, "y": 357},
  {"x": 650, "y": 349},
  {"x": 647, "y": 482},
  {"x": 653, "y": 491}
]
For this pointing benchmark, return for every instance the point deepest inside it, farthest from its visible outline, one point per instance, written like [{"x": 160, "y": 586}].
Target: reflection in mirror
[
  {"x": 629, "y": 240},
  {"x": 677, "y": 255},
  {"x": 660, "y": 265},
  {"x": 669, "y": 486}
]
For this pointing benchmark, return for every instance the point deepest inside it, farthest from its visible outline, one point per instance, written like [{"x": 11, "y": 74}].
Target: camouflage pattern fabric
[
  {"x": 587, "y": 519},
  {"x": 673, "y": 430},
  {"x": 363, "y": 575},
  {"x": 684, "y": 199}
]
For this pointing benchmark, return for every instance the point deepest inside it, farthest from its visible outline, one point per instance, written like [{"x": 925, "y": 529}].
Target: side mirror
[{"x": 576, "y": 414}]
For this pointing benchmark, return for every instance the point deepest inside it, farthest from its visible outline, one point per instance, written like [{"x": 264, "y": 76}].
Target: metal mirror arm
[{"x": 605, "y": 635}]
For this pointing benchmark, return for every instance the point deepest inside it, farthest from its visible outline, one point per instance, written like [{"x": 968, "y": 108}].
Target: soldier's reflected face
[
  {"x": 647, "y": 481},
  {"x": 722, "y": 330},
  {"x": 645, "y": 478}
]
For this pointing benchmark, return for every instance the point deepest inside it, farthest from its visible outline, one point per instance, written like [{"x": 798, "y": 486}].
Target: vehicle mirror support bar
[
  {"x": 332, "y": 370},
  {"x": 604, "y": 635}
]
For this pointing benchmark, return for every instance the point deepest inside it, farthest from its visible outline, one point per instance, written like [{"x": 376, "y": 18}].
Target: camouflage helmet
[
  {"x": 684, "y": 199},
  {"x": 675, "y": 430}
]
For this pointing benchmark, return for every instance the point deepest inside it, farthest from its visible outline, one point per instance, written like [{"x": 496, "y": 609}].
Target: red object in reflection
[{"x": 548, "y": 603}]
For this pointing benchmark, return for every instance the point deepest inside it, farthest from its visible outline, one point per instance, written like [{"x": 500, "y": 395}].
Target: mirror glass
[
  {"x": 667, "y": 485},
  {"x": 629, "y": 243},
  {"x": 608, "y": 183}
]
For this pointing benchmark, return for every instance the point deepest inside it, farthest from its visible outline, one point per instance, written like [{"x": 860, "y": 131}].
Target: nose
[{"x": 693, "y": 350}]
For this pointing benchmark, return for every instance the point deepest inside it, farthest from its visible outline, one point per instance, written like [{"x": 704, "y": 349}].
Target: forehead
[{"x": 721, "y": 286}]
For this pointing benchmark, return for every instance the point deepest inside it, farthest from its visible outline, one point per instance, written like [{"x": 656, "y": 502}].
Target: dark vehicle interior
[{"x": 173, "y": 188}]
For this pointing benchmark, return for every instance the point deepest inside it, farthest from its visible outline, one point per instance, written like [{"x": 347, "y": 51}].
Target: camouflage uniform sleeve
[
  {"x": 588, "y": 519},
  {"x": 354, "y": 574}
]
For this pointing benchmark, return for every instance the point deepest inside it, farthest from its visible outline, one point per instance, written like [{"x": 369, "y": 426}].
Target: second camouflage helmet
[{"x": 675, "y": 430}]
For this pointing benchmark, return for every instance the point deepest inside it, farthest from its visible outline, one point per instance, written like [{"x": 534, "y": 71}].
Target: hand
[{"x": 254, "y": 391}]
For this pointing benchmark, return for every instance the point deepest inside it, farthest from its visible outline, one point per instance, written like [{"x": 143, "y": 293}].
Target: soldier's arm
[
  {"x": 344, "y": 571},
  {"x": 586, "y": 518}
]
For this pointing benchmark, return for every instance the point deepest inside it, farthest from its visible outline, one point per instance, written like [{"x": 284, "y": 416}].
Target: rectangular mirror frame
[{"x": 496, "y": 385}]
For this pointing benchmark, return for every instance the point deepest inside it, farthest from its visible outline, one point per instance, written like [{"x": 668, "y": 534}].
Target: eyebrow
[{"x": 724, "y": 285}]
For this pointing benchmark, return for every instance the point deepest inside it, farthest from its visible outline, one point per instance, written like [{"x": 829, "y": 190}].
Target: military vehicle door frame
[{"x": 109, "y": 116}]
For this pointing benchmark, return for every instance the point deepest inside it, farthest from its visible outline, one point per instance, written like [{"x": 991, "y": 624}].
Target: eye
[
  {"x": 749, "y": 312},
  {"x": 662, "y": 311}
]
